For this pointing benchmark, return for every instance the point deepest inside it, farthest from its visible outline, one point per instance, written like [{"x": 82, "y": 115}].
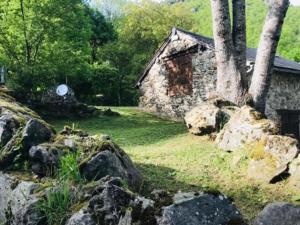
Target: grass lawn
[{"x": 172, "y": 159}]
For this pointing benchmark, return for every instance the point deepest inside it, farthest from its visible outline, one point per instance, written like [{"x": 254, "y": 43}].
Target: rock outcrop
[
  {"x": 18, "y": 203},
  {"x": 269, "y": 153},
  {"x": 20, "y": 129}
]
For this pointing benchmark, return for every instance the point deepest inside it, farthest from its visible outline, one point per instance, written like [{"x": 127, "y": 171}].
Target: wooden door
[{"x": 180, "y": 75}]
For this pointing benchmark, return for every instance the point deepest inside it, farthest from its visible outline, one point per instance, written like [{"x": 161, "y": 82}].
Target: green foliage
[
  {"x": 69, "y": 168},
  {"x": 55, "y": 207},
  {"x": 101, "y": 51},
  {"x": 289, "y": 45},
  {"x": 46, "y": 42}
]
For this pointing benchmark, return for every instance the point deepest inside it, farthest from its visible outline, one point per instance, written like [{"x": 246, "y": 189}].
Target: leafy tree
[
  {"x": 140, "y": 32},
  {"x": 102, "y": 31},
  {"x": 46, "y": 42},
  {"x": 42, "y": 40}
]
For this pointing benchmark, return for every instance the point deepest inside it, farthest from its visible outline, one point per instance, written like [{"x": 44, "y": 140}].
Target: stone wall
[
  {"x": 283, "y": 94},
  {"x": 154, "y": 97}
]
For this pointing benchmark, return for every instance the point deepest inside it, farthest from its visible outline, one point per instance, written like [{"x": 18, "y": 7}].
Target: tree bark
[
  {"x": 229, "y": 82},
  {"x": 239, "y": 37},
  {"x": 266, "y": 52}
]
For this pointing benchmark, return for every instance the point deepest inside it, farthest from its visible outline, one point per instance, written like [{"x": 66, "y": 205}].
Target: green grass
[
  {"x": 130, "y": 129},
  {"x": 56, "y": 206},
  {"x": 172, "y": 159}
]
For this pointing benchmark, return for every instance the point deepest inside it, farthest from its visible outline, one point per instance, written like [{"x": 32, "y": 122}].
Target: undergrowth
[
  {"x": 69, "y": 168},
  {"x": 55, "y": 207}
]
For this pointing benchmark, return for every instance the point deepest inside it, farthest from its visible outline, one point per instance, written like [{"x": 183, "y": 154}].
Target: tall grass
[
  {"x": 69, "y": 168},
  {"x": 56, "y": 205}
]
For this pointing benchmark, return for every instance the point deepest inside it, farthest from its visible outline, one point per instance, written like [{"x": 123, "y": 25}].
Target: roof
[{"x": 280, "y": 64}]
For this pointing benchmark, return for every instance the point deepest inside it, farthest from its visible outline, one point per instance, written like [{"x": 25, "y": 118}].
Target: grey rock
[
  {"x": 81, "y": 218},
  {"x": 45, "y": 159},
  {"x": 104, "y": 163},
  {"x": 279, "y": 214},
  {"x": 113, "y": 161},
  {"x": 70, "y": 143},
  {"x": 8, "y": 126},
  {"x": 7, "y": 184},
  {"x": 35, "y": 132},
  {"x": 23, "y": 205},
  {"x": 126, "y": 219},
  {"x": 108, "y": 203},
  {"x": 201, "y": 209},
  {"x": 17, "y": 149}
]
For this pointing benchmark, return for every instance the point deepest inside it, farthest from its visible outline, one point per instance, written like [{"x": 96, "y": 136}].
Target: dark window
[
  {"x": 180, "y": 75},
  {"x": 290, "y": 122}
]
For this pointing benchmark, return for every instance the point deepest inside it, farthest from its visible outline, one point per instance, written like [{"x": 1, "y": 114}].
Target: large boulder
[
  {"x": 35, "y": 132},
  {"x": 201, "y": 209},
  {"x": 209, "y": 116},
  {"x": 23, "y": 205},
  {"x": 279, "y": 214},
  {"x": 18, "y": 202},
  {"x": 270, "y": 157},
  {"x": 109, "y": 159},
  {"x": 245, "y": 126}
]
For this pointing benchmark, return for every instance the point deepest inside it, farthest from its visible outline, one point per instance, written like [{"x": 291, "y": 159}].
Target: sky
[{"x": 295, "y": 2}]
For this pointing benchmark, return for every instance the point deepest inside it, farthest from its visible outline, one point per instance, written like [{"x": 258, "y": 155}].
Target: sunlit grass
[
  {"x": 172, "y": 159},
  {"x": 131, "y": 128}
]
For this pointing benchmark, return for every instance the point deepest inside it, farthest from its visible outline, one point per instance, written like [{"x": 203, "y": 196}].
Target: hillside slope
[{"x": 289, "y": 46}]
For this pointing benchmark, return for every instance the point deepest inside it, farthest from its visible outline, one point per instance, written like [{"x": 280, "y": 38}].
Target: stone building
[{"x": 182, "y": 74}]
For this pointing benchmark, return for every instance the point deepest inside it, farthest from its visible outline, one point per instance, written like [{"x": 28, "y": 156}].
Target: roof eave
[{"x": 286, "y": 70}]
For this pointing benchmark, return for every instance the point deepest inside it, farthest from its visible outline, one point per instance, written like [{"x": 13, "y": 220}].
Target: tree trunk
[
  {"x": 239, "y": 37},
  {"x": 229, "y": 82},
  {"x": 266, "y": 52}
]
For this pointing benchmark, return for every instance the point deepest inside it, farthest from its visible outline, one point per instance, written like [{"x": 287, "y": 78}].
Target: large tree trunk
[
  {"x": 229, "y": 81},
  {"x": 266, "y": 52},
  {"x": 239, "y": 36}
]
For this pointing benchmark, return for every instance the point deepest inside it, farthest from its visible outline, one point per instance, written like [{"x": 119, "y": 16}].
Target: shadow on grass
[
  {"x": 247, "y": 198},
  {"x": 132, "y": 128},
  {"x": 160, "y": 177}
]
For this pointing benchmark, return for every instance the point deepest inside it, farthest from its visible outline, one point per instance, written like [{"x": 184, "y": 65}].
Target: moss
[
  {"x": 77, "y": 206},
  {"x": 257, "y": 152},
  {"x": 94, "y": 149}
]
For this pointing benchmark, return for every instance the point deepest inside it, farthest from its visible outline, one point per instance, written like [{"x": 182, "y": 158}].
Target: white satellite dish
[{"x": 62, "y": 90}]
